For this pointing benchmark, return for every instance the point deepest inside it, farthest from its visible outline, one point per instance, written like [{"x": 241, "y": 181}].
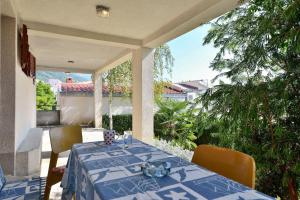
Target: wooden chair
[
  {"x": 62, "y": 139},
  {"x": 232, "y": 164}
]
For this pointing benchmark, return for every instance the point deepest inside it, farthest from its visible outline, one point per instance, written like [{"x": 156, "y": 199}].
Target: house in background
[
  {"x": 185, "y": 91},
  {"x": 174, "y": 92},
  {"x": 55, "y": 85},
  {"x": 76, "y": 100}
]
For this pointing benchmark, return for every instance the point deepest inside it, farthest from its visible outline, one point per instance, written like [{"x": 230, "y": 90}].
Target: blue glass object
[{"x": 156, "y": 169}]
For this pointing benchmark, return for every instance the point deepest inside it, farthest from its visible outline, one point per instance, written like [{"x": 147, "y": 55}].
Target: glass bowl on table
[{"x": 156, "y": 169}]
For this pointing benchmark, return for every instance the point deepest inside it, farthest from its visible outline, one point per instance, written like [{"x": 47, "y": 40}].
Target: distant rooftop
[
  {"x": 194, "y": 85},
  {"x": 173, "y": 89},
  {"x": 87, "y": 88}
]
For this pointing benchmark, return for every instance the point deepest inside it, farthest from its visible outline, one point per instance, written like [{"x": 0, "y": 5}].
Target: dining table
[{"x": 99, "y": 171}]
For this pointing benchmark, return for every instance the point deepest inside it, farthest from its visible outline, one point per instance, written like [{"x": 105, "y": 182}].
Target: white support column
[
  {"x": 97, "y": 79},
  {"x": 7, "y": 101},
  {"x": 142, "y": 94}
]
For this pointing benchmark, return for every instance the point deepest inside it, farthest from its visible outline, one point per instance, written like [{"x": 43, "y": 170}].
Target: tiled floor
[{"x": 89, "y": 135}]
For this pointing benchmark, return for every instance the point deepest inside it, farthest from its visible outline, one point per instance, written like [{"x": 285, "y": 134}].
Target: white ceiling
[
  {"x": 129, "y": 18},
  {"x": 62, "y": 30},
  {"x": 56, "y": 52}
]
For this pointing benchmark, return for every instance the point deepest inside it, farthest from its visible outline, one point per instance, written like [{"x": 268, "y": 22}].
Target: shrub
[
  {"x": 206, "y": 129},
  {"x": 121, "y": 123},
  {"x": 178, "y": 123},
  {"x": 174, "y": 122}
]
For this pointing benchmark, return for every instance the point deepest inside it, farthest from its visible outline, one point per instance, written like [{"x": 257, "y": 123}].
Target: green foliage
[
  {"x": 163, "y": 67},
  {"x": 174, "y": 122},
  {"x": 185, "y": 125},
  {"x": 207, "y": 128},
  {"x": 163, "y": 63},
  {"x": 120, "y": 76},
  {"x": 45, "y": 98},
  {"x": 258, "y": 111},
  {"x": 121, "y": 122}
]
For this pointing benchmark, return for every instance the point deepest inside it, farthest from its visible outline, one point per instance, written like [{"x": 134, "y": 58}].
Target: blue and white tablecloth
[{"x": 99, "y": 171}]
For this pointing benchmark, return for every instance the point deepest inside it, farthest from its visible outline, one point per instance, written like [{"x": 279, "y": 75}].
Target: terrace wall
[{"x": 80, "y": 109}]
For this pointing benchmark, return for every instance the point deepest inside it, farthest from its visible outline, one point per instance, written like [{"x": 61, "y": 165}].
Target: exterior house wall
[
  {"x": 176, "y": 97},
  {"x": 76, "y": 110},
  {"x": 80, "y": 109},
  {"x": 120, "y": 106},
  {"x": 25, "y": 105}
]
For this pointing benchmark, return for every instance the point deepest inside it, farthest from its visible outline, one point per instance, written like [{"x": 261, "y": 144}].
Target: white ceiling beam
[
  {"x": 8, "y": 8},
  {"x": 48, "y": 30},
  {"x": 63, "y": 69},
  {"x": 119, "y": 59},
  {"x": 202, "y": 13}
]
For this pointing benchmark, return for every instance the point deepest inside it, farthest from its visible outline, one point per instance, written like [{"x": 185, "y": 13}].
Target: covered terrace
[{"x": 69, "y": 36}]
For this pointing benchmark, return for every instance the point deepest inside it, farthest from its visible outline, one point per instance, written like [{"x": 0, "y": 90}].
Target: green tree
[
  {"x": 259, "y": 109},
  {"x": 121, "y": 76},
  {"x": 45, "y": 98},
  {"x": 163, "y": 68},
  {"x": 207, "y": 129}
]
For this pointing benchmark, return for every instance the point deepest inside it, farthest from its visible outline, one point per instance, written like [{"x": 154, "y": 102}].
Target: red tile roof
[
  {"x": 77, "y": 87},
  {"x": 172, "y": 89},
  {"x": 88, "y": 88}
]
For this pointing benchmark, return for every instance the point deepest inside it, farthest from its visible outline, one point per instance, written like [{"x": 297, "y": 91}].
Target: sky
[{"x": 192, "y": 59}]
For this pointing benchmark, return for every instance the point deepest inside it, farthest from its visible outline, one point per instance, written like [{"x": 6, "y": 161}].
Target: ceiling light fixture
[
  {"x": 102, "y": 11},
  {"x": 70, "y": 61}
]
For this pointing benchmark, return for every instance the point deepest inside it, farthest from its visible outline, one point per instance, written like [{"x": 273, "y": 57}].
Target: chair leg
[
  {"x": 50, "y": 177},
  {"x": 47, "y": 190}
]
